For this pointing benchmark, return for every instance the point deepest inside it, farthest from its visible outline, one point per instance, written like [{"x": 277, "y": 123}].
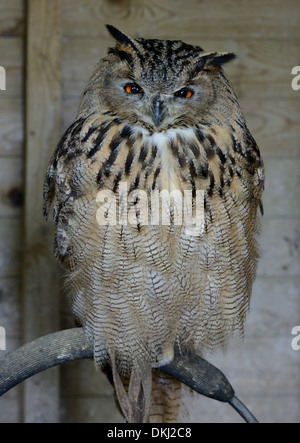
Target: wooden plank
[
  {"x": 11, "y": 186},
  {"x": 81, "y": 379},
  {"x": 282, "y": 194},
  {"x": 11, "y": 162},
  {"x": 41, "y": 281},
  {"x": 11, "y": 126},
  {"x": 10, "y": 315},
  {"x": 10, "y": 408},
  {"x": 261, "y": 365},
  {"x": 98, "y": 409},
  {"x": 12, "y": 17},
  {"x": 264, "y": 372},
  {"x": 10, "y": 247},
  {"x": 269, "y": 307},
  {"x": 174, "y": 18},
  {"x": 11, "y": 58},
  {"x": 262, "y": 70},
  {"x": 275, "y": 125},
  {"x": 78, "y": 61},
  {"x": 280, "y": 247}
]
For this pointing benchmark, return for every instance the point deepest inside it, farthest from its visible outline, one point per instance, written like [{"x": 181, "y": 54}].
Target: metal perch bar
[{"x": 71, "y": 344}]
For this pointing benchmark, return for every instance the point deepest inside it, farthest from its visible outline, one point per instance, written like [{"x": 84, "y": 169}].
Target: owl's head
[{"x": 160, "y": 84}]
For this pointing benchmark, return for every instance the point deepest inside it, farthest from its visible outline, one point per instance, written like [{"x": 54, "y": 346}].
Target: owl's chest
[
  {"x": 169, "y": 175},
  {"x": 170, "y": 170}
]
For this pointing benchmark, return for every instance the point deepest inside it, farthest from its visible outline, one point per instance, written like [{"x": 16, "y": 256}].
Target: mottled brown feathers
[{"x": 140, "y": 288}]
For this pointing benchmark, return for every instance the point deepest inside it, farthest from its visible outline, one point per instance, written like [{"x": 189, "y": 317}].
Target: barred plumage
[{"x": 156, "y": 115}]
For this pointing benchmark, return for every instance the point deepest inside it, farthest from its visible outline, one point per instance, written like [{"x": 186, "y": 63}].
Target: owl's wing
[
  {"x": 57, "y": 184},
  {"x": 67, "y": 148},
  {"x": 260, "y": 183},
  {"x": 255, "y": 168}
]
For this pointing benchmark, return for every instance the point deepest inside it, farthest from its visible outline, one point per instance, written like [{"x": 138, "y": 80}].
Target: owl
[{"x": 156, "y": 189}]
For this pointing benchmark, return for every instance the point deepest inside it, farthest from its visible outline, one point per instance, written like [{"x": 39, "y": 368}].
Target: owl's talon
[{"x": 166, "y": 357}]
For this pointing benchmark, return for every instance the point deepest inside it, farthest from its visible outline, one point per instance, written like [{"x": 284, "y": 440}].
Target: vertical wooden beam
[{"x": 41, "y": 275}]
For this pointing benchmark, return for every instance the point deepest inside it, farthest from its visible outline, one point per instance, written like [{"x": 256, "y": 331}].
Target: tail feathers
[
  {"x": 148, "y": 396},
  {"x": 134, "y": 401},
  {"x": 166, "y": 401}
]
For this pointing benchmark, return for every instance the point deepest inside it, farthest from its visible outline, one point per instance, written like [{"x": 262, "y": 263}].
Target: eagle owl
[{"x": 157, "y": 116}]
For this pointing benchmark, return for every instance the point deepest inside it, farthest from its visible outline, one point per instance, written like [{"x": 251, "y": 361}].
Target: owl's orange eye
[
  {"x": 133, "y": 88},
  {"x": 184, "y": 93}
]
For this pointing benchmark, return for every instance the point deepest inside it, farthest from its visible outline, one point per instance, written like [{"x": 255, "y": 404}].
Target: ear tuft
[
  {"x": 121, "y": 38},
  {"x": 214, "y": 59},
  {"x": 118, "y": 35},
  {"x": 222, "y": 57}
]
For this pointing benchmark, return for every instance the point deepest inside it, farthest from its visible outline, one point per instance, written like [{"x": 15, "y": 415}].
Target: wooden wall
[
  {"x": 265, "y": 34},
  {"x": 12, "y": 32}
]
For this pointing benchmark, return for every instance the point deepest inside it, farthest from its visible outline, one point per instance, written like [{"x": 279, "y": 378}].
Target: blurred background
[{"x": 48, "y": 49}]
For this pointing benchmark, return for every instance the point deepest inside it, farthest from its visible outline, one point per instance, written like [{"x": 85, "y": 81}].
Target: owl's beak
[{"x": 158, "y": 110}]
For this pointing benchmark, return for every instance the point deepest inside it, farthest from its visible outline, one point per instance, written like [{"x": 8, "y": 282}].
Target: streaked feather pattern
[{"x": 139, "y": 290}]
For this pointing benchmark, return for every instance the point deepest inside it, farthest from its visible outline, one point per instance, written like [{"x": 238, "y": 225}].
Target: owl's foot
[{"x": 166, "y": 356}]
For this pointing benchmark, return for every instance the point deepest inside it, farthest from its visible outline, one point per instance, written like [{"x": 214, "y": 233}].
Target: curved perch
[{"x": 71, "y": 344}]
